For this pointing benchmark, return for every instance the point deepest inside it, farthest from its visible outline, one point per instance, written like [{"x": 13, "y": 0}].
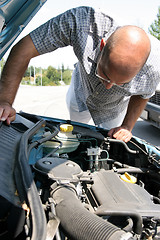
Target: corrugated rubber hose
[{"x": 80, "y": 224}]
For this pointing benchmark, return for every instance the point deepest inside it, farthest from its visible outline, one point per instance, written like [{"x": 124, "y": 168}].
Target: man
[{"x": 115, "y": 75}]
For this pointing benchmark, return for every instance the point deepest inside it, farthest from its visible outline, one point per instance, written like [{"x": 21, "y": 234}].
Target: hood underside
[{"x": 14, "y": 16}]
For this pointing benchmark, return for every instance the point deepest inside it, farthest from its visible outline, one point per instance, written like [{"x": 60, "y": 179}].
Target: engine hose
[
  {"x": 110, "y": 140},
  {"x": 27, "y": 186},
  {"x": 80, "y": 224},
  {"x": 132, "y": 170},
  {"x": 135, "y": 215},
  {"x": 129, "y": 226}
]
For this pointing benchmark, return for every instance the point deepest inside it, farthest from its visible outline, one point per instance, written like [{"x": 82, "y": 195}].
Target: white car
[{"x": 151, "y": 112}]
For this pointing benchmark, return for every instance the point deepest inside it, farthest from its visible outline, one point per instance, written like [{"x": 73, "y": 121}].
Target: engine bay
[{"x": 74, "y": 182}]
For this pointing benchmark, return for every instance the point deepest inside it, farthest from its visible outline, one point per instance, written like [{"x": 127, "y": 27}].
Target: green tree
[
  {"x": 63, "y": 67},
  {"x": 154, "y": 28},
  {"x": 45, "y": 81},
  {"x": 67, "y": 76},
  {"x": 2, "y": 63},
  {"x": 50, "y": 76},
  {"x": 53, "y": 75},
  {"x": 27, "y": 73},
  {"x": 50, "y": 72},
  {"x": 32, "y": 71},
  {"x": 38, "y": 81}
]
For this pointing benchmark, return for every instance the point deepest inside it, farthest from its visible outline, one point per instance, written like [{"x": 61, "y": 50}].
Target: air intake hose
[{"x": 80, "y": 224}]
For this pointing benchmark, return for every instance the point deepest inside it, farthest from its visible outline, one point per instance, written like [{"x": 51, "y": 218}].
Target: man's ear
[{"x": 103, "y": 43}]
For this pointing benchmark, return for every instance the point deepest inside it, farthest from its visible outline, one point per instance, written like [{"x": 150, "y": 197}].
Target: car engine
[{"x": 64, "y": 180}]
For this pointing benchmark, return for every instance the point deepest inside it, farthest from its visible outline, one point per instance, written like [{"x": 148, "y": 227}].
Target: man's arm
[
  {"x": 135, "y": 108},
  {"x": 12, "y": 74}
]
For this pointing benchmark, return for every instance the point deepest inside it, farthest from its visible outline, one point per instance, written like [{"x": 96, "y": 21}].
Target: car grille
[{"x": 155, "y": 98}]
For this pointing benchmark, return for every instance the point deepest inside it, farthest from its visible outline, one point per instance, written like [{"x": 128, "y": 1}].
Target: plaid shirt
[{"x": 83, "y": 28}]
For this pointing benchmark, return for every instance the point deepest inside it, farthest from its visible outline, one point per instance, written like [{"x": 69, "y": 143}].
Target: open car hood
[{"x": 14, "y": 16}]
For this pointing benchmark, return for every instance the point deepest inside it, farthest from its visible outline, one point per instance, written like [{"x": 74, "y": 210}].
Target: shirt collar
[{"x": 95, "y": 54}]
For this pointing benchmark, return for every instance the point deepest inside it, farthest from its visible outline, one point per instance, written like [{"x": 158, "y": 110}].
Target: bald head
[{"x": 125, "y": 53}]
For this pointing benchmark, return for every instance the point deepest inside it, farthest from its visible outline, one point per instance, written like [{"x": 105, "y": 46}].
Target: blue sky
[{"x": 139, "y": 12}]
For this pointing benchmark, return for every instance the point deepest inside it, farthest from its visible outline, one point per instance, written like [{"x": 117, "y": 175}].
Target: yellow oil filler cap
[
  {"x": 128, "y": 178},
  {"x": 66, "y": 128}
]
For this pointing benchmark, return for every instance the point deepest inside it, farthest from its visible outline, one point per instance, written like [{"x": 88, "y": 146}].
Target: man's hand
[
  {"x": 135, "y": 107},
  {"x": 120, "y": 133},
  {"x": 7, "y": 113}
]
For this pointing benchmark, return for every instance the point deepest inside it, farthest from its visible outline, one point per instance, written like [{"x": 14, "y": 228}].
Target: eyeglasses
[
  {"x": 103, "y": 79},
  {"x": 107, "y": 80}
]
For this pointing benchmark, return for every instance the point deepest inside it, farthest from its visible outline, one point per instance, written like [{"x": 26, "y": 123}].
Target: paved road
[
  {"x": 50, "y": 102},
  {"x": 45, "y": 101}
]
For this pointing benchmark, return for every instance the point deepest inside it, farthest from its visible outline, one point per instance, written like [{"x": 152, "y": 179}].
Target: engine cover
[
  {"x": 114, "y": 194},
  {"x": 59, "y": 168}
]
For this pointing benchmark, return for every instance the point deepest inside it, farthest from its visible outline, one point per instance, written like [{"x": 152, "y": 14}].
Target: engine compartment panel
[{"x": 112, "y": 184}]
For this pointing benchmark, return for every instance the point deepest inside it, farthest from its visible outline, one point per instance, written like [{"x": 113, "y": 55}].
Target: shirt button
[{"x": 97, "y": 93}]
